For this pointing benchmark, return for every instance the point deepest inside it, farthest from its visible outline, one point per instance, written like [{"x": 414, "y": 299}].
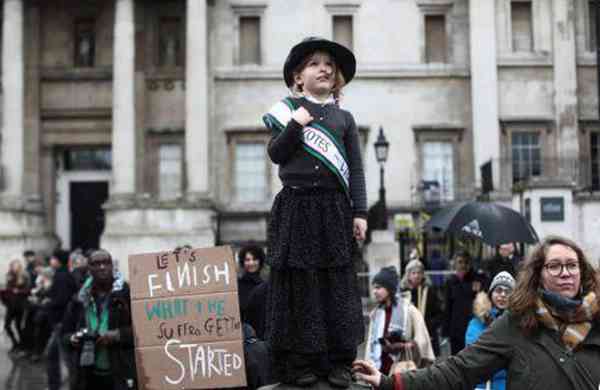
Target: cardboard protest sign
[{"x": 186, "y": 320}]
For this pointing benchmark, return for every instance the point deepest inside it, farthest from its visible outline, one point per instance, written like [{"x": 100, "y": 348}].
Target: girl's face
[
  {"x": 415, "y": 277},
  {"x": 381, "y": 293},
  {"x": 500, "y": 297},
  {"x": 251, "y": 264},
  {"x": 318, "y": 76}
]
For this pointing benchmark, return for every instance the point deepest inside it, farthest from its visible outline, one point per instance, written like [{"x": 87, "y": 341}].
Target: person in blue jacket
[{"x": 486, "y": 308}]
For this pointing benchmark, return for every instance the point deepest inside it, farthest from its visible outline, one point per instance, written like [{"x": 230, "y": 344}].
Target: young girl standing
[{"x": 315, "y": 315}]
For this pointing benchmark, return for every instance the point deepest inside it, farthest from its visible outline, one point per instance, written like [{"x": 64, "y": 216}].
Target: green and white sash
[{"x": 317, "y": 140}]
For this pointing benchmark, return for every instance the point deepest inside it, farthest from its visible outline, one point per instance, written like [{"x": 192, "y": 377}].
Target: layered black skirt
[{"x": 314, "y": 305}]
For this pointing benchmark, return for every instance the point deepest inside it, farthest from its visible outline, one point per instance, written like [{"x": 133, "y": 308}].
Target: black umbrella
[{"x": 489, "y": 222}]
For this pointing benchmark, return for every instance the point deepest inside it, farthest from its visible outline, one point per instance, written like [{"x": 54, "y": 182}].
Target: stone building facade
[{"x": 135, "y": 124}]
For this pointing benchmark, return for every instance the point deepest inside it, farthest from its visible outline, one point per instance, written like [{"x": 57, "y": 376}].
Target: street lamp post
[{"x": 381, "y": 153}]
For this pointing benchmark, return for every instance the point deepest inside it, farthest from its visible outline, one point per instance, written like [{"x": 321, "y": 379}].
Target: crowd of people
[
  {"x": 55, "y": 306},
  {"x": 540, "y": 331},
  {"x": 75, "y": 308},
  {"x": 35, "y": 296}
]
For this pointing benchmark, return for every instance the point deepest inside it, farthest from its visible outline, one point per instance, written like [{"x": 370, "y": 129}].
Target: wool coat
[{"x": 536, "y": 361}]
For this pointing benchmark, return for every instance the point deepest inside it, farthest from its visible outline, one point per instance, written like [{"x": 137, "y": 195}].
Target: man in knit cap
[
  {"x": 418, "y": 289},
  {"x": 396, "y": 326}
]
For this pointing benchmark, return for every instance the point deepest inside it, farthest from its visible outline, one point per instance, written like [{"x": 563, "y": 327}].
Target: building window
[
  {"x": 522, "y": 26},
  {"x": 438, "y": 169},
  {"x": 526, "y": 155},
  {"x": 250, "y": 172},
  {"x": 435, "y": 39},
  {"x": 170, "y": 33},
  {"x": 592, "y": 24},
  {"x": 595, "y": 160},
  {"x": 343, "y": 30},
  {"x": 85, "y": 42},
  {"x": 170, "y": 171},
  {"x": 249, "y": 40},
  {"x": 88, "y": 159}
]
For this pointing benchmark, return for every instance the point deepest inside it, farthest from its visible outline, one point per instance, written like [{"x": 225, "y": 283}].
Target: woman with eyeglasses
[
  {"x": 486, "y": 308},
  {"x": 548, "y": 338}
]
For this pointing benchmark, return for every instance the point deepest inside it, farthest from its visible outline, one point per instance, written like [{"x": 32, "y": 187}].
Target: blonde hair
[{"x": 339, "y": 83}]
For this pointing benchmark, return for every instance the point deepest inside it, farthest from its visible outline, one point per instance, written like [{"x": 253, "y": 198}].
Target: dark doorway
[{"x": 87, "y": 215}]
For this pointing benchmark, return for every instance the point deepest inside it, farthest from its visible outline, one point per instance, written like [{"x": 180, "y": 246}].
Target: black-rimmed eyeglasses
[{"x": 556, "y": 269}]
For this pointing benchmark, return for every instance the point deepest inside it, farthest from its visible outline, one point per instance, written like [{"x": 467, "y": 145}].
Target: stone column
[
  {"x": 196, "y": 101},
  {"x": 32, "y": 148},
  {"x": 565, "y": 83},
  {"x": 484, "y": 86},
  {"x": 123, "y": 135},
  {"x": 13, "y": 86}
]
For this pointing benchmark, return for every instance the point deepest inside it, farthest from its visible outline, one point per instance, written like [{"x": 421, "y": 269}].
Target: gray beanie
[
  {"x": 413, "y": 265},
  {"x": 502, "y": 279}
]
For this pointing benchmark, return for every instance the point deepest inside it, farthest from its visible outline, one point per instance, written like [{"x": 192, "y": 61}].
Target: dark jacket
[
  {"x": 246, "y": 283},
  {"x": 297, "y": 168},
  {"x": 17, "y": 289},
  {"x": 252, "y": 292},
  {"x": 121, "y": 354},
  {"x": 257, "y": 359},
  {"x": 434, "y": 315},
  {"x": 80, "y": 275},
  {"x": 62, "y": 290},
  {"x": 533, "y": 362},
  {"x": 498, "y": 264},
  {"x": 459, "y": 307}
]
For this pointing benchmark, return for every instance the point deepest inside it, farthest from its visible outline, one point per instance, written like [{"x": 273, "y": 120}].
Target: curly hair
[
  {"x": 256, "y": 251},
  {"x": 523, "y": 301}
]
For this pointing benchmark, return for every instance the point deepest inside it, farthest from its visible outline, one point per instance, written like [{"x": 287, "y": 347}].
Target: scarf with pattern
[{"x": 573, "y": 323}]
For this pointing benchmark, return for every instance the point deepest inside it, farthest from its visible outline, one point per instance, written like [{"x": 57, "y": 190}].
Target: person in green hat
[{"x": 314, "y": 316}]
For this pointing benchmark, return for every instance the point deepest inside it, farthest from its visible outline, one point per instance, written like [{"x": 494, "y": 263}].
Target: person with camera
[
  {"x": 97, "y": 329},
  {"x": 398, "y": 336}
]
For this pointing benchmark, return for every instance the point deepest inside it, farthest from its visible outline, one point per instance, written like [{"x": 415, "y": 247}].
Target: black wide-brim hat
[{"x": 343, "y": 57}]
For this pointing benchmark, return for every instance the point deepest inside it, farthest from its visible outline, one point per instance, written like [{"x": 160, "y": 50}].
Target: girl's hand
[
  {"x": 302, "y": 116},
  {"x": 366, "y": 372},
  {"x": 360, "y": 229}
]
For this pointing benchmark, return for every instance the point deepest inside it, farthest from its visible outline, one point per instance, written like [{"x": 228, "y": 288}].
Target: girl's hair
[
  {"x": 339, "y": 83},
  {"x": 257, "y": 252},
  {"x": 19, "y": 274},
  {"x": 15, "y": 262},
  {"x": 523, "y": 301}
]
